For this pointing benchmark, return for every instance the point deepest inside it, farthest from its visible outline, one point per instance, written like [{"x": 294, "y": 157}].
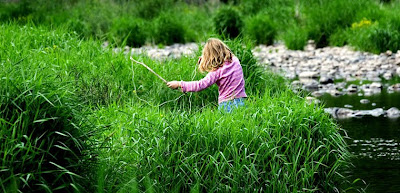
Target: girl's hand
[{"x": 174, "y": 84}]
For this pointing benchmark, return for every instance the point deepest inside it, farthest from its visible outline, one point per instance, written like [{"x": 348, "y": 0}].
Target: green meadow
[{"x": 78, "y": 117}]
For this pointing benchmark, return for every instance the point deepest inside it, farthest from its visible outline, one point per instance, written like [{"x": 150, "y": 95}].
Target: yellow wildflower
[{"x": 363, "y": 23}]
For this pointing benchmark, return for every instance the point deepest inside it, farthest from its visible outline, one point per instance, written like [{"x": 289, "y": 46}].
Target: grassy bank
[
  {"x": 368, "y": 25},
  {"x": 77, "y": 117}
]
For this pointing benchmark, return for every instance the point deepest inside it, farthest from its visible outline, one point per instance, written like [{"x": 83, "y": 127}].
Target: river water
[{"x": 374, "y": 141}]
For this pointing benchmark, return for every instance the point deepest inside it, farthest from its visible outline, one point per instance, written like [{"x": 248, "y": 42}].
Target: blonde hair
[{"x": 215, "y": 54}]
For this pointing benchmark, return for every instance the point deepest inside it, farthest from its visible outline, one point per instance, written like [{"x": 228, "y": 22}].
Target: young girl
[{"x": 224, "y": 69}]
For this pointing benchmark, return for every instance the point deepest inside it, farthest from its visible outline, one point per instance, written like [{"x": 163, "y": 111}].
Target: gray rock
[
  {"x": 388, "y": 75},
  {"x": 308, "y": 74},
  {"x": 311, "y": 100},
  {"x": 393, "y": 112},
  {"x": 296, "y": 84},
  {"x": 375, "y": 112},
  {"x": 376, "y": 85},
  {"x": 335, "y": 92},
  {"x": 364, "y": 101},
  {"x": 352, "y": 88},
  {"x": 325, "y": 80},
  {"x": 341, "y": 112},
  {"x": 317, "y": 93},
  {"x": 348, "y": 106},
  {"x": 396, "y": 87}
]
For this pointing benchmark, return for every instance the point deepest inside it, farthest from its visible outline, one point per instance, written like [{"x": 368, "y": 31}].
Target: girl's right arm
[
  {"x": 195, "y": 86},
  {"x": 174, "y": 84}
]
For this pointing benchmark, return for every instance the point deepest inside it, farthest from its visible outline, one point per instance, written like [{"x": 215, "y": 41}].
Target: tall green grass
[
  {"x": 79, "y": 117},
  {"x": 43, "y": 138},
  {"x": 277, "y": 143}
]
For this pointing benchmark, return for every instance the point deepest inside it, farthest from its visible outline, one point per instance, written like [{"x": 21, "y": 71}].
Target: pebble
[{"x": 364, "y": 101}]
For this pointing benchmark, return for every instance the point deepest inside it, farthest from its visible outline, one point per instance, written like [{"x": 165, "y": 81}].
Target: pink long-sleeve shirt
[{"x": 228, "y": 77}]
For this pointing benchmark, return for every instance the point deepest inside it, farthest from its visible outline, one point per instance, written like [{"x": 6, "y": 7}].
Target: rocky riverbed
[{"x": 331, "y": 70}]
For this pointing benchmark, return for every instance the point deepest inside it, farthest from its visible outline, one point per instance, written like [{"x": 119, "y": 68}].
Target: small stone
[
  {"x": 317, "y": 93},
  {"x": 352, "y": 88},
  {"x": 396, "y": 86},
  {"x": 105, "y": 44},
  {"x": 376, "y": 85},
  {"x": 308, "y": 74},
  {"x": 335, "y": 92},
  {"x": 348, "y": 106},
  {"x": 311, "y": 100},
  {"x": 342, "y": 113},
  {"x": 387, "y": 75},
  {"x": 364, "y": 101},
  {"x": 325, "y": 80},
  {"x": 393, "y": 112},
  {"x": 373, "y": 104}
]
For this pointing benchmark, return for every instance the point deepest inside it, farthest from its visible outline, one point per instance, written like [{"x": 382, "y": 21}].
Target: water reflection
[
  {"x": 375, "y": 144},
  {"x": 376, "y": 148}
]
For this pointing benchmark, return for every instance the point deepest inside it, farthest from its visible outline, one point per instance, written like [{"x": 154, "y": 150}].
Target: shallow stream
[{"x": 374, "y": 141}]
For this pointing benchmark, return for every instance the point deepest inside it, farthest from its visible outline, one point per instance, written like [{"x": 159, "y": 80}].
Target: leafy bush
[
  {"x": 254, "y": 6},
  {"x": 384, "y": 39},
  {"x": 326, "y": 17},
  {"x": 374, "y": 37},
  {"x": 228, "y": 22},
  {"x": 261, "y": 29},
  {"x": 131, "y": 29},
  {"x": 338, "y": 38},
  {"x": 168, "y": 29},
  {"x": 295, "y": 38},
  {"x": 92, "y": 20},
  {"x": 150, "y": 8}
]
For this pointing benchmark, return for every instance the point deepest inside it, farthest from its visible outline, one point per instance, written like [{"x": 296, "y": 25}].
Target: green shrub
[
  {"x": 150, "y": 8},
  {"x": 384, "y": 39},
  {"x": 326, "y": 17},
  {"x": 92, "y": 19},
  {"x": 338, "y": 38},
  {"x": 254, "y": 6},
  {"x": 131, "y": 29},
  {"x": 230, "y": 1},
  {"x": 261, "y": 29},
  {"x": 374, "y": 37},
  {"x": 228, "y": 22},
  {"x": 295, "y": 38},
  {"x": 202, "y": 27},
  {"x": 168, "y": 29}
]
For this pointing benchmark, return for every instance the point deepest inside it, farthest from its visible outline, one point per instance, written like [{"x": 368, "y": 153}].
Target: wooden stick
[{"x": 148, "y": 68}]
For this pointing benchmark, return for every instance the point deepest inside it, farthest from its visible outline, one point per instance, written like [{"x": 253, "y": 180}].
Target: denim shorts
[{"x": 228, "y": 106}]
